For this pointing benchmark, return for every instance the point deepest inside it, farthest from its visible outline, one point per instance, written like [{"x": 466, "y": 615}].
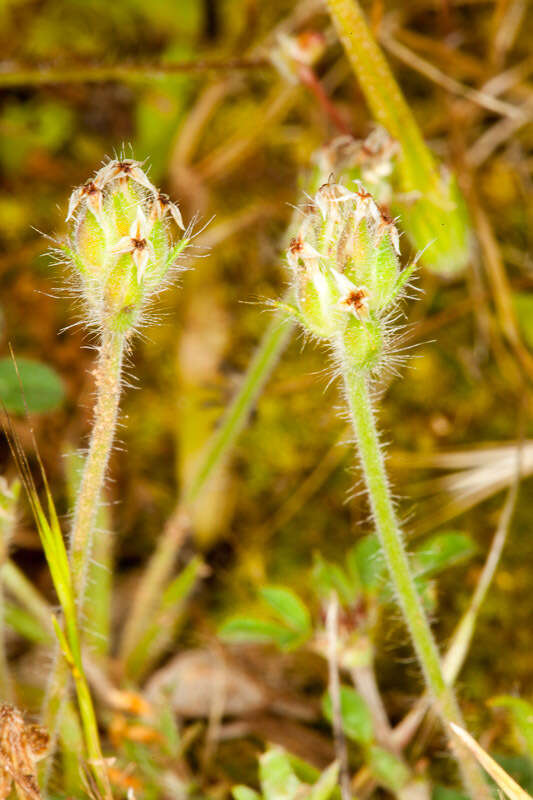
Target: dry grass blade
[
  {"x": 509, "y": 786},
  {"x": 481, "y": 98}
]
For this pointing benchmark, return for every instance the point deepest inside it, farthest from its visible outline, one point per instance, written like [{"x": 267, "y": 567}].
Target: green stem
[
  {"x": 107, "y": 378},
  {"x": 159, "y": 568},
  {"x": 161, "y": 564},
  {"x": 455, "y": 656},
  {"x": 99, "y": 579},
  {"x": 273, "y": 343},
  {"x": 388, "y": 530}
]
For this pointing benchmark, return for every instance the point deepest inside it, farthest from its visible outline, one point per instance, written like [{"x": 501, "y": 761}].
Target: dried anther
[
  {"x": 122, "y": 170},
  {"x": 161, "y": 205},
  {"x": 21, "y": 746},
  {"x": 387, "y": 226},
  {"x": 90, "y": 192},
  {"x": 330, "y": 195},
  {"x": 301, "y": 250}
]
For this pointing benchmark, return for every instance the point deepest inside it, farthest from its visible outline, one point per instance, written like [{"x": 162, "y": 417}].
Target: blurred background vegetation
[{"x": 228, "y": 137}]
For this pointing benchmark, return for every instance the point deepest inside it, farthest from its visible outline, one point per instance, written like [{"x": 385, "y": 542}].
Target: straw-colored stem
[
  {"x": 334, "y": 688},
  {"x": 388, "y": 530},
  {"x": 364, "y": 680},
  {"x": 128, "y": 73}
]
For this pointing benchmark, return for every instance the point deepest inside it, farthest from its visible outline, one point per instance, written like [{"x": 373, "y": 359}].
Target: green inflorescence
[{"x": 120, "y": 245}]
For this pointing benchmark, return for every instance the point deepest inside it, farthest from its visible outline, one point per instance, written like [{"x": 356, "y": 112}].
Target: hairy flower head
[
  {"x": 345, "y": 263},
  {"x": 120, "y": 242}
]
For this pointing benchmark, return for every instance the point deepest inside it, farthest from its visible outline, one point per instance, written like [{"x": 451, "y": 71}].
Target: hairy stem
[
  {"x": 107, "y": 378},
  {"x": 455, "y": 656},
  {"x": 388, "y": 530},
  {"x": 97, "y": 613}
]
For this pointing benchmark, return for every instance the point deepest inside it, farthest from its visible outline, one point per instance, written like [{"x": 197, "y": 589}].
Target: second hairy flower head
[
  {"x": 120, "y": 243},
  {"x": 345, "y": 261}
]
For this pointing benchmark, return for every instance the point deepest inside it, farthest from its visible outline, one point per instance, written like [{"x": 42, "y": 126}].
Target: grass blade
[{"x": 504, "y": 781}]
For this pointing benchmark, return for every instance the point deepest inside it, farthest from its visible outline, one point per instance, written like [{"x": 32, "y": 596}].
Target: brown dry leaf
[
  {"x": 21, "y": 746},
  {"x": 197, "y": 681}
]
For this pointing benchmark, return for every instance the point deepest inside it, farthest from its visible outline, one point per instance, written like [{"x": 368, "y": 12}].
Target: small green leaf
[
  {"x": 278, "y": 780},
  {"x": 325, "y": 786},
  {"x": 389, "y": 771},
  {"x": 304, "y": 771},
  {"x": 522, "y": 714},
  {"x": 288, "y": 606},
  {"x": 244, "y": 793},
  {"x": 250, "y": 629},
  {"x": 441, "y": 551},
  {"x": 356, "y": 719},
  {"x": 41, "y": 386}
]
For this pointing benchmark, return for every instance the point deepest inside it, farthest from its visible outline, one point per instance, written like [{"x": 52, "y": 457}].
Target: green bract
[
  {"x": 120, "y": 244},
  {"x": 345, "y": 259}
]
